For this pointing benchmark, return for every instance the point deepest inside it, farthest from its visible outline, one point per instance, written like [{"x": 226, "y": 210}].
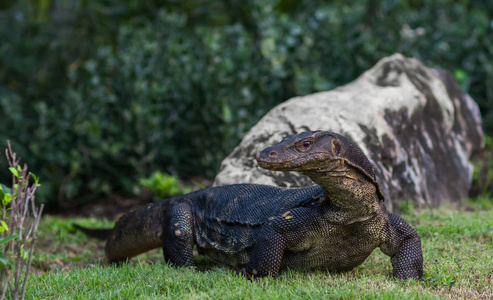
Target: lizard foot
[{"x": 244, "y": 273}]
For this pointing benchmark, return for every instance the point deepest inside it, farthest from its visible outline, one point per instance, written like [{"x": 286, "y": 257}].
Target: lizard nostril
[{"x": 273, "y": 153}]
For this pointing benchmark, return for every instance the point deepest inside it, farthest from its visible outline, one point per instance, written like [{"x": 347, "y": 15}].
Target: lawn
[{"x": 457, "y": 249}]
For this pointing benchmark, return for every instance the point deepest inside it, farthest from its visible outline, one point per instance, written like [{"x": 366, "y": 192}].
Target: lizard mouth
[{"x": 271, "y": 161}]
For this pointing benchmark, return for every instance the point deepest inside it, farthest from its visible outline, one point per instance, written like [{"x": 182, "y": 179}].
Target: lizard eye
[{"x": 304, "y": 145}]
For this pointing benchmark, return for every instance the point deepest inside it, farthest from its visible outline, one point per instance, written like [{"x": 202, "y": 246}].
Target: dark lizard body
[{"x": 332, "y": 226}]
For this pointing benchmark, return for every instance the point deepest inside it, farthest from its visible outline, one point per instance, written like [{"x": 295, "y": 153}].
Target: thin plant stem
[{"x": 22, "y": 220}]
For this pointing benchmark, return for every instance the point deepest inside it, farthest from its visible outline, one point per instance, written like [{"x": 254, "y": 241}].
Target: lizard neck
[{"x": 347, "y": 189}]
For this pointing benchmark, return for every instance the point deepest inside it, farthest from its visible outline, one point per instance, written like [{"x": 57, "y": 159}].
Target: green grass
[{"x": 457, "y": 248}]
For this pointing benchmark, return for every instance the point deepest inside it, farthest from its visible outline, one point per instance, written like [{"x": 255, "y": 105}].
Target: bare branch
[{"x": 23, "y": 220}]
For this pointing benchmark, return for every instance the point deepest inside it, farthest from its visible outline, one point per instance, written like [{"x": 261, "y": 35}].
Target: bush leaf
[
  {"x": 8, "y": 239},
  {"x": 14, "y": 171},
  {"x": 4, "y": 225},
  {"x": 3, "y": 260}
]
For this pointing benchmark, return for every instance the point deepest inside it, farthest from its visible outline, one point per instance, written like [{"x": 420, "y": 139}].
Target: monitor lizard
[{"x": 259, "y": 230}]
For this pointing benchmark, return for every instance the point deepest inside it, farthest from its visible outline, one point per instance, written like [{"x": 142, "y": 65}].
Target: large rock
[{"x": 415, "y": 124}]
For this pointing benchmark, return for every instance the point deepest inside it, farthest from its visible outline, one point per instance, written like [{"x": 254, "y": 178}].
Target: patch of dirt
[{"x": 112, "y": 207}]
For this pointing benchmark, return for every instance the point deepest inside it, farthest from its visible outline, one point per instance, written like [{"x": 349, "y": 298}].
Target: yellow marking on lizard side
[
  {"x": 342, "y": 162},
  {"x": 288, "y": 217}
]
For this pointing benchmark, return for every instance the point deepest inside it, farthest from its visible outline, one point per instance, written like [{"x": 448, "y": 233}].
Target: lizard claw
[{"x": 245, "y": 274}]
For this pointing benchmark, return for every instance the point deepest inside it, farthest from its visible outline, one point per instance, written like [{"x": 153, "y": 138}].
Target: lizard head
[
  {"x": 321, "y": 155},
  {"x": 314, "y": 152}
]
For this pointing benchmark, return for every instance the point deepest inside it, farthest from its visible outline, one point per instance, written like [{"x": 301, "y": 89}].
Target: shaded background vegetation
[{"x": 97, "y": 94}]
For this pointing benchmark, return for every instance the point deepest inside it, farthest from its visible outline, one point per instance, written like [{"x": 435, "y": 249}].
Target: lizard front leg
[
  {"x": 178, "y": 236},
  {"x": 279, "y": 234},
  {"x": 403, "y": 245}
]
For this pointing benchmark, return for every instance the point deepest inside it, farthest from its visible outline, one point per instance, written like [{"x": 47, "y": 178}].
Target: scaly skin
[
  {"x": 347, "y": 224},
  {"x": 332, "y": 226}
]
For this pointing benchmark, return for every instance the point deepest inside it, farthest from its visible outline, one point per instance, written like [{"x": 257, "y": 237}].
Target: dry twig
[{"x": 19, "y": 238}]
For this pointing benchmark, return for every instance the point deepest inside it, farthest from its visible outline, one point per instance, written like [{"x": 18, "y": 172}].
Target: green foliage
[
  {"x": 484, "y": 201},
  {"x": 5, "y": 195},
  {"x": 164, "y": 186},
  {"x": 100, "y": 93},
  {"x": 407, "y": 207},
  {"x": 5, "y": 199},
  {"x": 482, "y": 177}
]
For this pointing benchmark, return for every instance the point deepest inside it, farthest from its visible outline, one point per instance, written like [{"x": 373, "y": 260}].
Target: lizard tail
[{"x": 100, "y": 234}]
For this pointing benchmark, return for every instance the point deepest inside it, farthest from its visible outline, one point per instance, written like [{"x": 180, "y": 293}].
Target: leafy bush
[
  {"x": 482, "y": 177},
  {"x": 100, "y": 93},
  {"x": 164, "y": 186}
]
